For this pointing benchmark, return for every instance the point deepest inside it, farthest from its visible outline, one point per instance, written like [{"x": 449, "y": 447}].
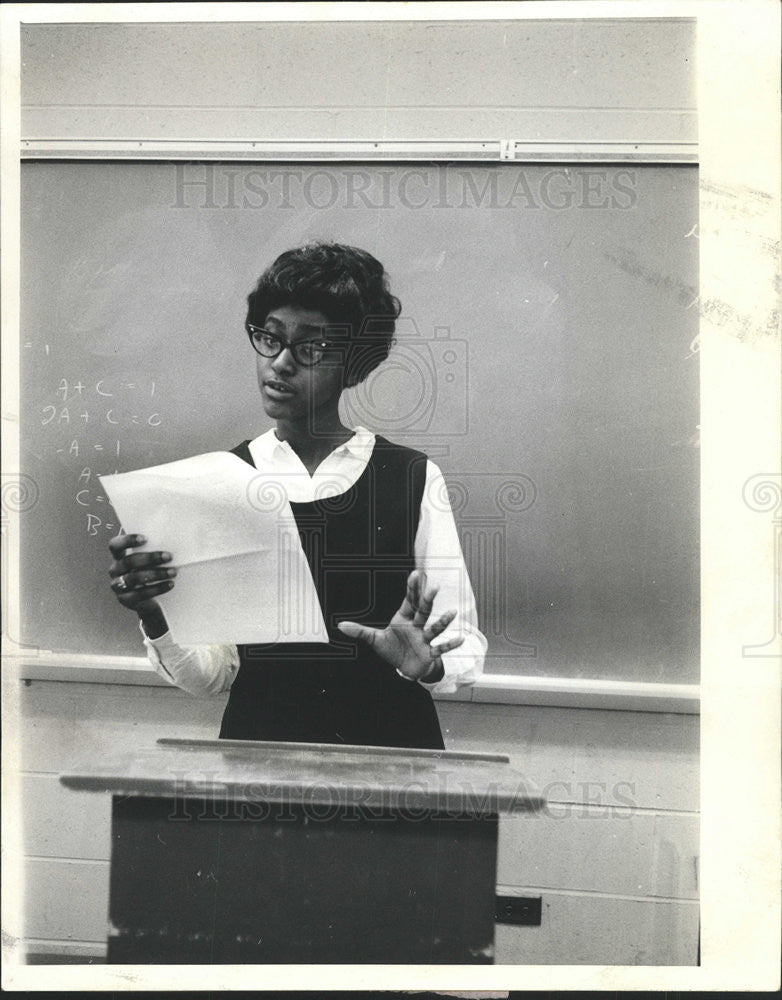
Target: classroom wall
[
  {"x": 614, "y": 857},
  {"x": 624, "y": 82},
  {"x": 618, "y": 886}
]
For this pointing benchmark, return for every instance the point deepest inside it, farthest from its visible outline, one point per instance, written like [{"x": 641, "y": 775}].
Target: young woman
[{"x": 373, "y": 520}]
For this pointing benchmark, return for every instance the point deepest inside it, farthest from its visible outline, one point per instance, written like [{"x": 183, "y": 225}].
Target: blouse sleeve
[
  {"x": 200, "y": 670},
  {"x": 439, "y": 553}
]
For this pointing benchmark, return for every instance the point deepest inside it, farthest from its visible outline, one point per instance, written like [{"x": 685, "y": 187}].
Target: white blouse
[{"x": 209, "y": 670}]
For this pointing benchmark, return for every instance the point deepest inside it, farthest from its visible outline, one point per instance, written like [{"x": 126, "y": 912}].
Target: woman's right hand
[{"x": 137, "y": 578}]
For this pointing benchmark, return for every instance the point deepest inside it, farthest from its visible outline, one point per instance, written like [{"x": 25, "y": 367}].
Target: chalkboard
[{"x": 546, "y": 360}]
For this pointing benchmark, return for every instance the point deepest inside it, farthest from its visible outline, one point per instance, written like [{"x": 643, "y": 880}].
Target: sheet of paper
[{"x": 242, "y": 574}]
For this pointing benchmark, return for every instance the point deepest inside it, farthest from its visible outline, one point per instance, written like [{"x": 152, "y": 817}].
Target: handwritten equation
[{"x": 86, "y": 421}]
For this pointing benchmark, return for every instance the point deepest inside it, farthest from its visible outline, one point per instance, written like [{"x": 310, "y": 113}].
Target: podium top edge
[
  {"x": 323, "y": 775},
  {"x": 337, "y": 748}
]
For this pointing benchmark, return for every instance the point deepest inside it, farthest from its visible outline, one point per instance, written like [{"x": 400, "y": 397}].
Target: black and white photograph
[{"x": 390, "y": 492}]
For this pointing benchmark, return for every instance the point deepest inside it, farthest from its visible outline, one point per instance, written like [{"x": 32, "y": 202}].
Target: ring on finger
[{"x": 121, "y": 583}]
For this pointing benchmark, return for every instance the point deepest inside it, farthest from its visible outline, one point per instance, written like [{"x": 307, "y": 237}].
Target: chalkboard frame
[{"x": 499, "y": 688}]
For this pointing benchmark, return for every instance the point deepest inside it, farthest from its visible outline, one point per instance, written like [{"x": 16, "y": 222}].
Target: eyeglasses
[{"x": 306, "y": 353}]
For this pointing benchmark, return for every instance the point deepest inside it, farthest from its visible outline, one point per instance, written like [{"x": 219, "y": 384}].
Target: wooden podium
[{"x": 228, "y": 851}]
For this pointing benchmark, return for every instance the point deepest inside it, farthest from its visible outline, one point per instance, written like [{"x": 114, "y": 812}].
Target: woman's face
[{"x": 290, "y": 391}]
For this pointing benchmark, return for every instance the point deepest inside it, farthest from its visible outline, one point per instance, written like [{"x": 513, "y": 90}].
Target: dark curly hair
[{"x": 348, "y": 285}]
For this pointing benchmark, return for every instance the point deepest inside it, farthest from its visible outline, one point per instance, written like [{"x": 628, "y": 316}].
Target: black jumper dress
[{"x": 360, "y": 549}]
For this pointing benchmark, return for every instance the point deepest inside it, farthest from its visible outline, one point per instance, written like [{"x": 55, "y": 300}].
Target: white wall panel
[
  {"x": 61, "y": 823},
  {"x": 601, "y": 849},
  {"x": 65, "y": 725},
  {"x": 575, "y": 848},
  {"x": 676, "y": 862},
  {"x": 66, "y": 900},
  {"x": 525, "y": 125},
  {"x": 583, "y": 755},
  {"x": 600, "y": 930},
  {"x": 628, "y": 80}
]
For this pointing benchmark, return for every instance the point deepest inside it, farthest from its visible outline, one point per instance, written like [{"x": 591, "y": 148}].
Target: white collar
[{"x": 360, "y": 445}]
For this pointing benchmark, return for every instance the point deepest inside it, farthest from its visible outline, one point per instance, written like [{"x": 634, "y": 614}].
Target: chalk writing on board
[
  {"x": 66, "y": 388},
  {"x": 85, "y": 420}
]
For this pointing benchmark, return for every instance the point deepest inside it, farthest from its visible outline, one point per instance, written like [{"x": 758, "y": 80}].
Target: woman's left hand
[{"x": 406, "y": 643}]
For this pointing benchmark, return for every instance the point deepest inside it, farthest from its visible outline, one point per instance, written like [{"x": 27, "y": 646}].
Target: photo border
[{"x": 739, "y": 141}]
